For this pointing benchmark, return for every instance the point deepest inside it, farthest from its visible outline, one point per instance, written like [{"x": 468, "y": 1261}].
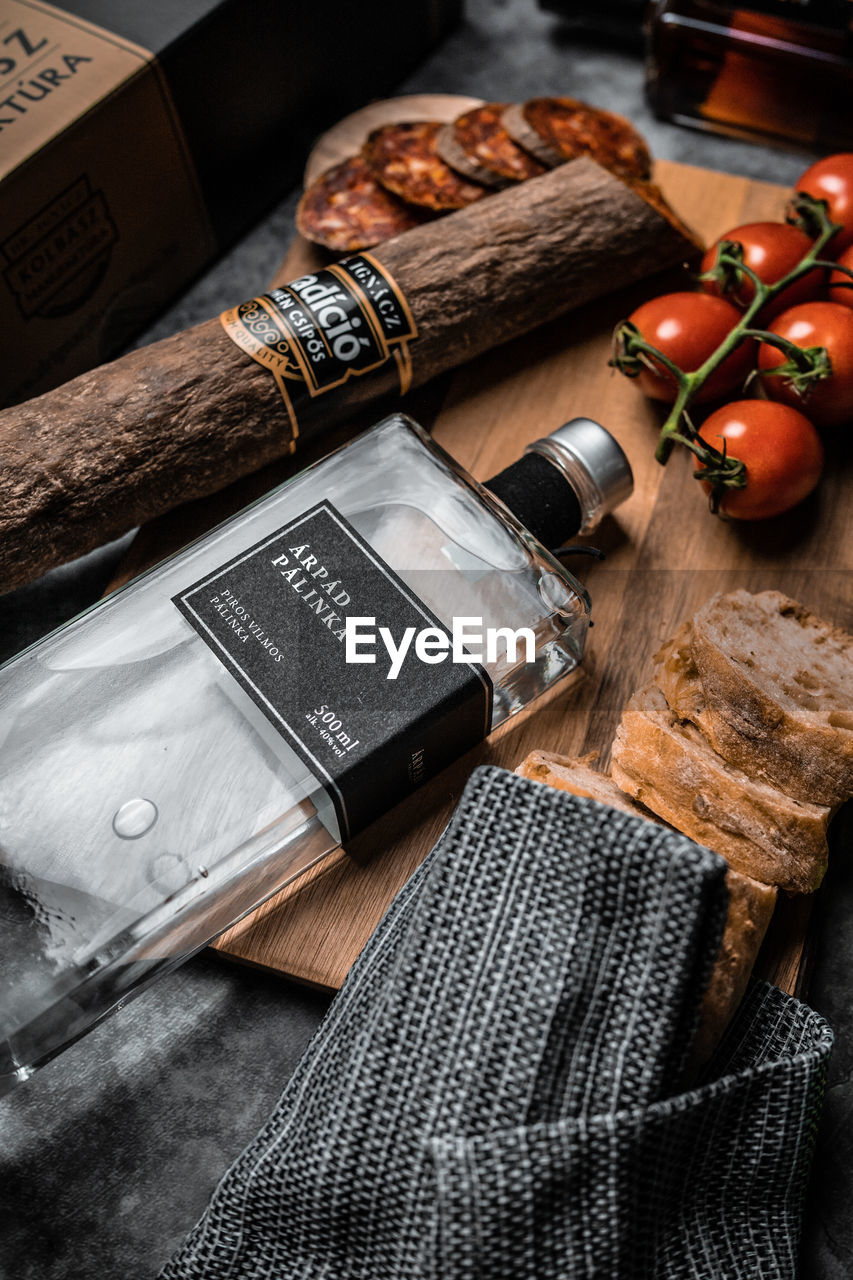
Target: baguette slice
[
  {"x": 576, "y": 776},
  {"x": 751, "y": 906},
  {"x": 771, "y": 685},
  {"x": 750, "y": 903},
  {"x": 676, "y": 676},
  {"x": 667, "y": 764}
]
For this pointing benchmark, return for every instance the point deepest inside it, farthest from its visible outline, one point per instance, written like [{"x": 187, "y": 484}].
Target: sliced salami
[
  {"x": 478, "y": 139},
  {"x": 405, "y": 160},
  {"x": 558, "y": 129},
  {"x": 347, "y": 209},
  {"x": 451, "y": 153}
]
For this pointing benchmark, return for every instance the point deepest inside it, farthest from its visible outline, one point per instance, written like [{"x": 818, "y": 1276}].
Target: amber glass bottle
[{"x": 777, "y": 69}]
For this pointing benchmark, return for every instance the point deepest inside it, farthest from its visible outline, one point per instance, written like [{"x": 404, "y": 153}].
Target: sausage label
[{"x": 317, "y": 332}]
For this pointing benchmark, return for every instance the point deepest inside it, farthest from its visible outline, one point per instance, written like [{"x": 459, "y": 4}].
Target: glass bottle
[
  {"x": 770, "y": 69},
  {"x": 194, "y": 742}
]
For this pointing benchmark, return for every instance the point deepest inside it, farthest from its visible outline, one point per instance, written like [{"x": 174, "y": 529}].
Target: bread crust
[
  {"x": 744, "y": 742},
  {"x": 750, "y": 909},
  {"x": 751, "y": 906},
  {"x": 667, "y": 764},
  {"x": 676, "y": 676},
  {"x": 784, "y": 708},
  {"x": 578, "y": 777}
]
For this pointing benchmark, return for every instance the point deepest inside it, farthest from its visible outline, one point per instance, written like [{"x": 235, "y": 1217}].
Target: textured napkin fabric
[{"x": 494, "y": 1092}]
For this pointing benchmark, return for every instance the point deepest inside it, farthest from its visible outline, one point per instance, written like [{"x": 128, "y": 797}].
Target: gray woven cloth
[{"x": 494, "y": 1093}]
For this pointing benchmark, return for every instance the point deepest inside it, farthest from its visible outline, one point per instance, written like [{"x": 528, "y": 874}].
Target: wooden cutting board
[{"x": 665, "y": 555}]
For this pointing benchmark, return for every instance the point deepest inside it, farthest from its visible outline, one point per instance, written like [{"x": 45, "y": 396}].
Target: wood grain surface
[{"x": 665, "y": 555}]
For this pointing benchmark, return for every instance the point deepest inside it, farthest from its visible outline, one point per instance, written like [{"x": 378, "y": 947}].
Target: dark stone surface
[{"x": 109, "y": 1154}]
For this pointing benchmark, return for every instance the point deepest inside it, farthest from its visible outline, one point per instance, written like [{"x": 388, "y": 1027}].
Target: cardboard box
[{"x": 139, "y": 137}]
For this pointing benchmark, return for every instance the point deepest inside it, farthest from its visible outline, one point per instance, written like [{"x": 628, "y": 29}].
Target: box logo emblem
[{"x": 58, "y": 258}]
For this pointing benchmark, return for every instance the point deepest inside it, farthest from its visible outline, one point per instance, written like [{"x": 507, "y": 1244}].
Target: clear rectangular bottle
[{"x": 191, "y": 744}]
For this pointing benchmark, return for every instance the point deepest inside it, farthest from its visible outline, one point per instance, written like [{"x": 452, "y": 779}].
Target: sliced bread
[
  {"x": 771, "y": 685},
  {"x": 578, "y": 777},
  {"x": 750, "y": 903},
  {"x": 676, "y": 676},
  {"x": 750, "y": 911},
  {"x": 668, "y": 765}
]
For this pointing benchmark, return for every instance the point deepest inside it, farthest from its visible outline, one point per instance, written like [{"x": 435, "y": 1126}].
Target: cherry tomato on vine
[
  {"x": 831, "y": 179},
  {"x": 814, "y": 324},
  {"x": 771, "y": 250},
  {"x": 780, "y": 449},
  {"x": 687, "y": 328},
  {"x": 841, "y": 289}
]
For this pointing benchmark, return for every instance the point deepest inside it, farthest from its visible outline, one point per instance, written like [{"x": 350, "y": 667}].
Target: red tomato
[
  {"x": 831, "y": 179},
  {"x": 771, "y": 250},
  {"x": 688, "y": 327},
  {"x": 843, "y": 290},
  {"x": 780, "y": 449},
  {"x": 815, "y": 324}
]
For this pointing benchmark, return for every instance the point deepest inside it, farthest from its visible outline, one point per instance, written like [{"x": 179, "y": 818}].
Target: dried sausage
[
  {"x": 478, "y": 146},
  {"x": 403, "y": 157},
  {"x": 559, "y": 129},
  {"x": 346, "y": 209}
]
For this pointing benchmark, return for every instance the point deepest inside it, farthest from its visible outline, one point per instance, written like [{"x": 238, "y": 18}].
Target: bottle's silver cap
[{"x": 593, "y": 463}]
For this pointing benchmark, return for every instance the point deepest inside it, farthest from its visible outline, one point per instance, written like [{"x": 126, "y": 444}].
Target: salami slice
[
  {"x": 451, "y": 153},
  {"x": 404, "y": 158},
  {"x": 346, "y": 209},
  {"x": 558, "y": 129},
  {"x": 478, "y": 145}
]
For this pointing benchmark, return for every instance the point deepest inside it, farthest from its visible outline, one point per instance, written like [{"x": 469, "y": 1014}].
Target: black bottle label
[
  {"x": 316, "y": 333},
  {"x": 276, "y": 618}
]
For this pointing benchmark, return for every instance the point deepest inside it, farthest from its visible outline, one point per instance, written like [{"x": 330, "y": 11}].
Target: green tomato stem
[
  {"x": 833, "y": 266},
  {"x": 631, "y": 349},
  {"x": 800, "y": 356},
  {"x": 690, "y": 384}
]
